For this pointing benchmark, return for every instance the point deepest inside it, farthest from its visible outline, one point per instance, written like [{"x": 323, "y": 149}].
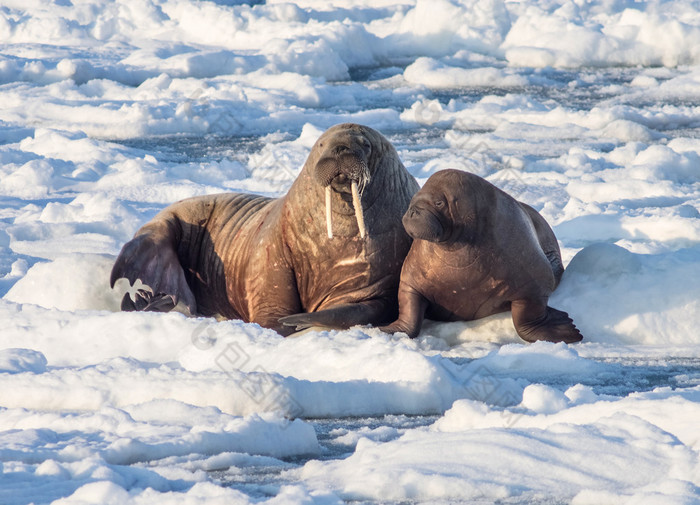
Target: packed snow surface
[{"x": 111, "y": 110}]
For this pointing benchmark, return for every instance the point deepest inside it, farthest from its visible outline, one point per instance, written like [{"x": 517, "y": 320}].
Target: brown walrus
[
  {"x": 477, "y": 251},
  {"x": 242, "y": 256}
]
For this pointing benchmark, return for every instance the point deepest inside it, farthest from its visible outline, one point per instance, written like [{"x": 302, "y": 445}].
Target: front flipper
[
  {"x": 154, "y": 261},
  {"x": 534, "y": 320},
  {"x": 342, "y": 316},
  {"x": 412, "y": 307}
]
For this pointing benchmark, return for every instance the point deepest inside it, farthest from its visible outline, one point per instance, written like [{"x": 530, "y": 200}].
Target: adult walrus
[
  {"x": 243, "y": 256},
  {"x": 477, "y": 251}
]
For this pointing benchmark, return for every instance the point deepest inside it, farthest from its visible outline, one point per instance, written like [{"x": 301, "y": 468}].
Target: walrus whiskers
[
  {"x": 359, "y": 215},
  {"x": 329, "y": 218}
]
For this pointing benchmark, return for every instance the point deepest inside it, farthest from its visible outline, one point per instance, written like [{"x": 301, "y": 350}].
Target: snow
[
  {"x": 575, "y": 453},
  {"x": 111, "y": 110}
]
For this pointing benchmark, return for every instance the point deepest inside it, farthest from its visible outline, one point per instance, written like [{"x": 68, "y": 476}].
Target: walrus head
[
  {"x": 343, "y": 168},
  {"x": 440, "y": 211},
  {"x": 427, "y": 218}
]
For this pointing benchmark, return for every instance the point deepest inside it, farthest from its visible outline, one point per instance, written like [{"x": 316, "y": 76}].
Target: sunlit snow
[{"x": 588, "y": 111}]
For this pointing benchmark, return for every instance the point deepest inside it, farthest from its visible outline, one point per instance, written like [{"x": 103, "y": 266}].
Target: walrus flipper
[
  {"x": 534, "y": 321},
  {"x": 148, "y": 302},
  {"x": 156, "y": 265},
  {"x": 343, "y": 316},
  {"x": 412, "y": 307}
]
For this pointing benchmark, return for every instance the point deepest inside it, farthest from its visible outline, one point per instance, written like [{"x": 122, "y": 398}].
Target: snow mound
[
  {"x": 22, "y": 360},
  {"x": 617, "y": 296},
  {"x": 564, "y": 452},
  {"x": 76, "y": 282}
]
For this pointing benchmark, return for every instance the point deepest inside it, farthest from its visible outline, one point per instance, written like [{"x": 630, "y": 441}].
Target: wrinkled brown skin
[
  {"x": 476, "y": 252},
  {"x": 241, "y": 256}
]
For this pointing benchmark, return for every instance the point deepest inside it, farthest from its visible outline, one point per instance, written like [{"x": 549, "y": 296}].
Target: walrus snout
[
  {"x": 344, "y": 171},
  {"x": 340, "y": 168},
  {"x": 343, "y": 168},
  {"x": 420, "y": 223}
]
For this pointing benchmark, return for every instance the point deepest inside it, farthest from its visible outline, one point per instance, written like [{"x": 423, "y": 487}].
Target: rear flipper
[
  {"x": 153, "y": 260},
  {"x": 343, "y": 316},
  {"x": 534, "y": 320}
]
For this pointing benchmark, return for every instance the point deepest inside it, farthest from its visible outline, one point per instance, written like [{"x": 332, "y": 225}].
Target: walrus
[
  {"x": 328, "y": 253},
  {"x": 478, "y": 251}
]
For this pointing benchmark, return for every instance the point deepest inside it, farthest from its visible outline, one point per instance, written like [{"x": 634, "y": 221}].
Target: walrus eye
[
  {"x": 366, "y": 145},
  {"x": 439, "y": 204}
]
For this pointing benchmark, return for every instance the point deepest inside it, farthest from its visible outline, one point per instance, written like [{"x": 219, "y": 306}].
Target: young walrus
[{"x": 477, "y": 251}]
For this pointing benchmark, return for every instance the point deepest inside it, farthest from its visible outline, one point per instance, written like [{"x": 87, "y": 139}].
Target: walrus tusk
[
  {"x": 329, "y": 219},
  {"x": 358, "y": 209}
]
